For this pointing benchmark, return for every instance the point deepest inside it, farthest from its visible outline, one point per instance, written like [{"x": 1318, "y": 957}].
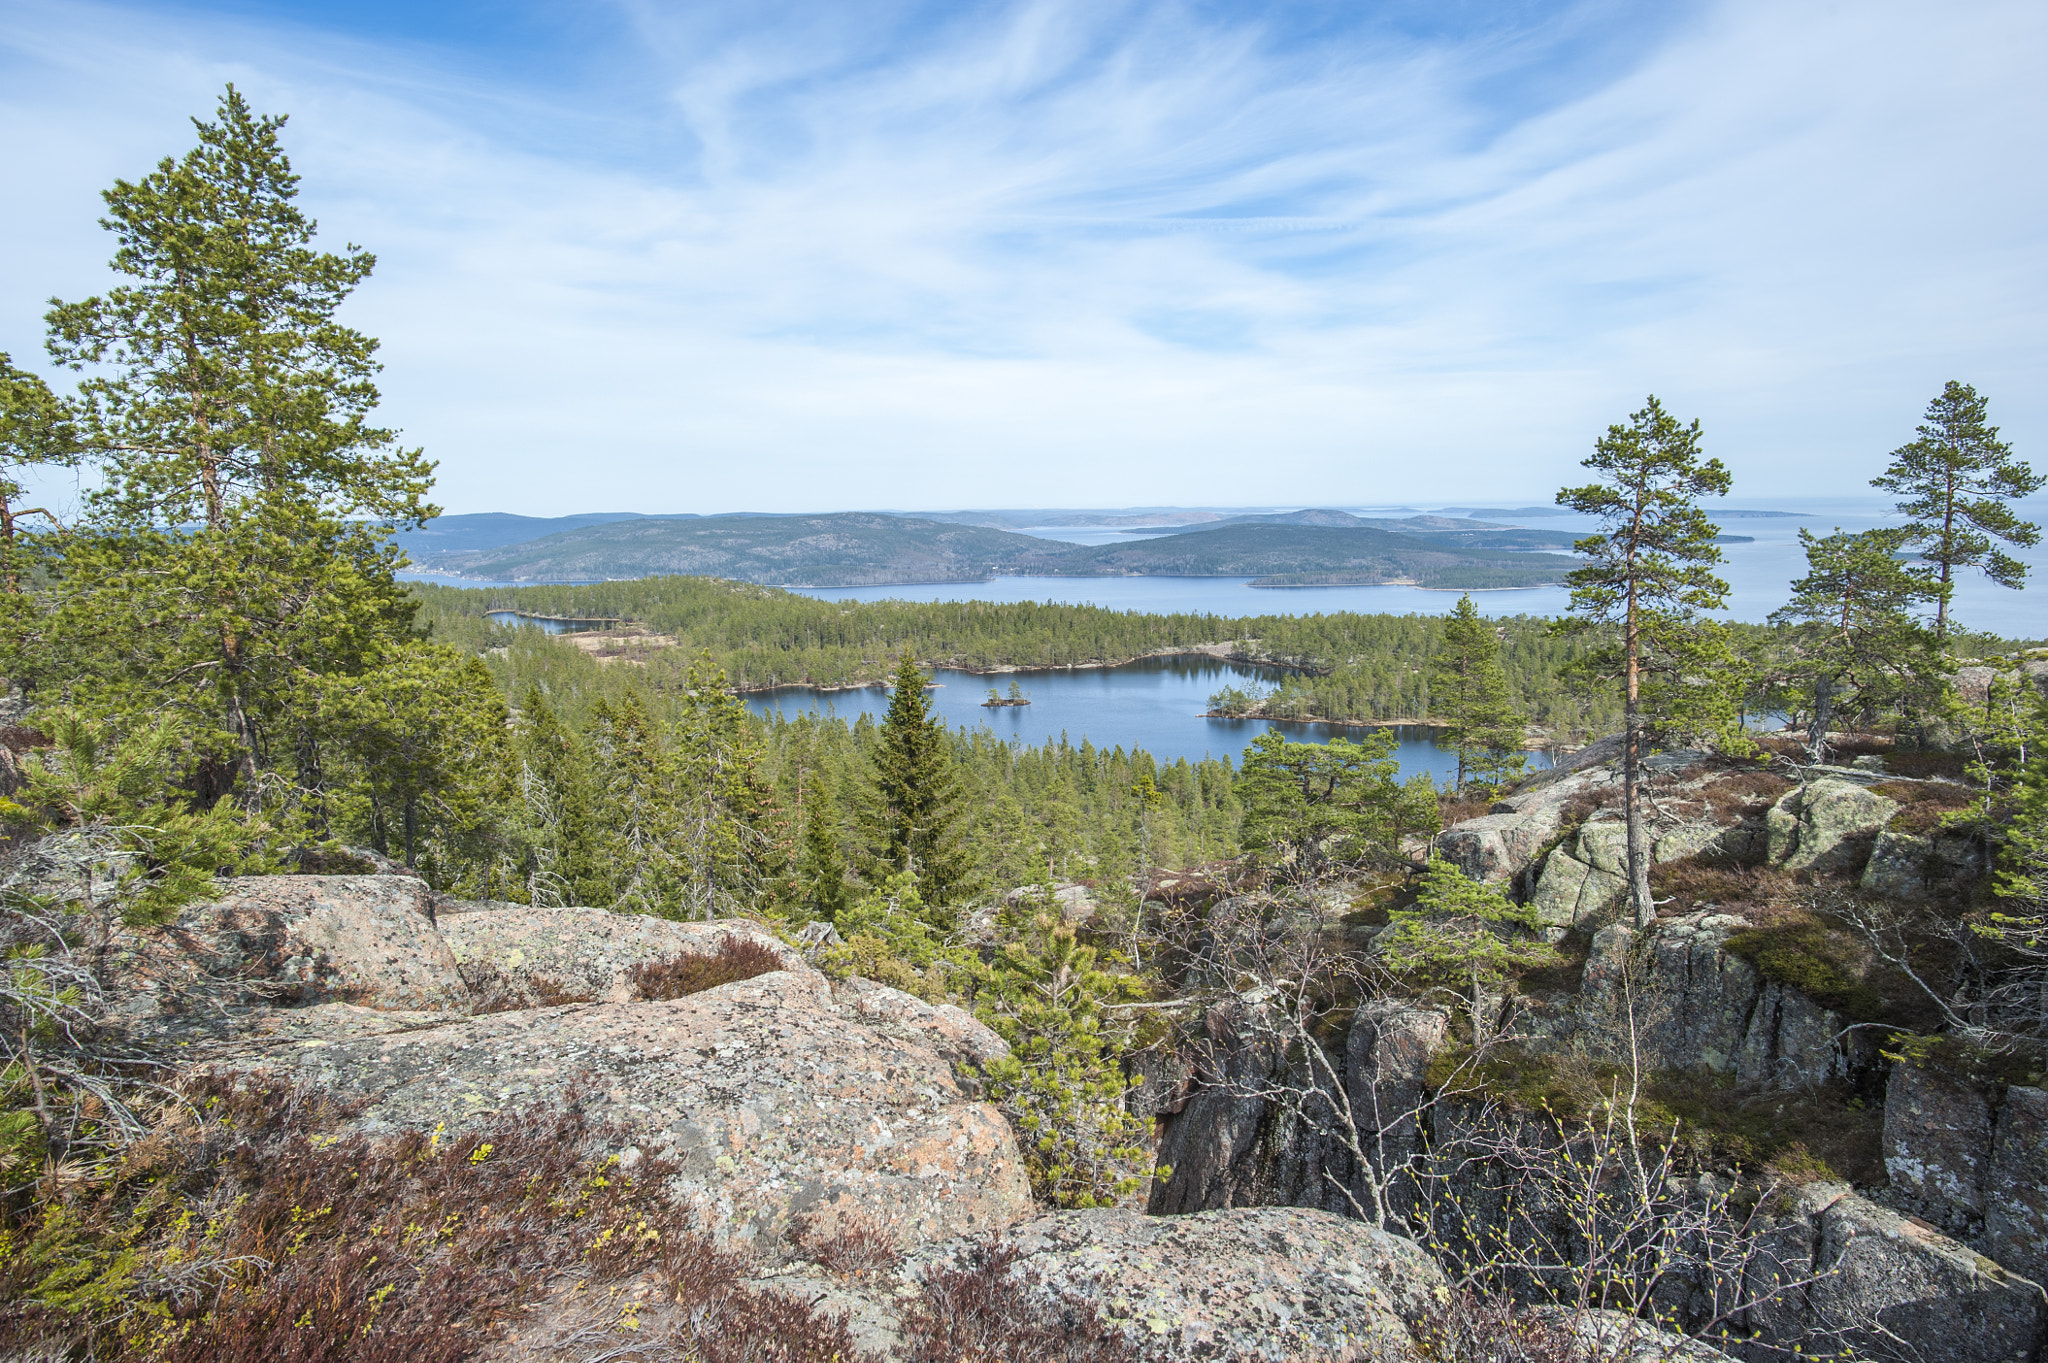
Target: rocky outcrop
[
  {"x": 774, "y": 1097},
  {"x": 1972, "y": 1159},
  {"x": 1694, "y": 1004},
  {"x": 1887, "y": 1285},
  {"x": 366, "y": 941},
  {"x": 1257, "y": 1284},
  {"x": 772, "y": 1101},
  {"x": 1919, "y": 866},
  {"x": 1826, "y": 825},
  {"x": 520, "y": 957}
]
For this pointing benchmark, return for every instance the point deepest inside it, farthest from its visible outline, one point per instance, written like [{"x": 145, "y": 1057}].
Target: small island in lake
[{"x": 1016, "y": 697}]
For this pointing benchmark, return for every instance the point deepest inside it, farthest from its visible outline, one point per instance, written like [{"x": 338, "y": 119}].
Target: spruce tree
[
  {"x": 240, "y": 527},
  {"x": 1647, "y": 578},
  {"x": 1953, "y": 483},
  {"x": 821, "y": 871},
  {"x": 918, "y": 793},
  {"x": 559, "y": 790},
  {"x": 1469, "y": 689}
]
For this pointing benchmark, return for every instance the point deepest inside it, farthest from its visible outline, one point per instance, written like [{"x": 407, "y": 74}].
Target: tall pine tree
[
  {"x": 1859, "y": 646},
  {"x": 1647, "y": 578},
  {"x": 1468, "y": 688},
  {"x": 237, "y": 543}
]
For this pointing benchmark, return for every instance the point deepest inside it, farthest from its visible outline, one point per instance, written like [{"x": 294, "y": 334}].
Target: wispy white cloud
[{"x": 1060, "y": 253}]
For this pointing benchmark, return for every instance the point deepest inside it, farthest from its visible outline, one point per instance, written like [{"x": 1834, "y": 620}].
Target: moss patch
[
  {"x": 1828, "y": 1133},
  {"x": 1800, "y": 950}
]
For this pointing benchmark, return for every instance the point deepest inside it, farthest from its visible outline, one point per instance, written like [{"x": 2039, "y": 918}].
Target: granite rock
[
  {"x": 1937, "y": 1147},
  {"x": 1259, "y": 1284},
  {"x": 2016, "y": 1189},
  {"x": 291, "y": 940},
  {"x": 1888, "y": 1286},
  {"x": 522, "y": 957},
  {"x": 774, "y": 1101},
  {"x": 1826, "y": 825}
]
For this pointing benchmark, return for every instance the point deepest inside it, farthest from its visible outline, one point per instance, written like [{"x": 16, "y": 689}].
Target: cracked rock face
[{"x": 774, "y": 1102}]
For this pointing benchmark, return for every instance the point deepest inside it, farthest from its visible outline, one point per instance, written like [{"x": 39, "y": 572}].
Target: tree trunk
[
  {"x": 1631, "y": 780},
  {"x": 411, "y": 828},
  {"x": 1823, "y": 711}
]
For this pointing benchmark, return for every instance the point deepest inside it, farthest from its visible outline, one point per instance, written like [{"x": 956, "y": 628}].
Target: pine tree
[
  {"x": 1953, "y": 483},
  {"x": 1469, "y": 689},
  {"x": 240, "y": 526},
  {"x": 1858, "y": 643},
  {"x": 1463, "y": 931},
  {"x": 1650, "y": 574},
  {"x": 424, "y": 734},
  {"x": 35, "y": 432},
  {"x": 918, "y": 823}
]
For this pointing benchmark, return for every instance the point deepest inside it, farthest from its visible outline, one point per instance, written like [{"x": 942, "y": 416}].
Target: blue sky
[{"x": 692, "y": 257}]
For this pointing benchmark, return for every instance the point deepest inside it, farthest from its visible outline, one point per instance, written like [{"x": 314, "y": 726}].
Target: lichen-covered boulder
[
  {"x": 1826, "y": 825},
  {"x": 1574, "y": 893},
  {"x": 773, "y": 1101},
  {"x": 1917, "y": 866},
  {"x": 1937, "y": 1147},
  {"x": 369, "y": 941},
  {"x": 2016, "y": 1189},
  {"x": 1499, "y": 847},
  {"x": 1873, "y": 1279},
  {"x": 1250, "y": 1283},
  {"x": 522, "y": 957},
  {"x": 962, "y": 1040}
]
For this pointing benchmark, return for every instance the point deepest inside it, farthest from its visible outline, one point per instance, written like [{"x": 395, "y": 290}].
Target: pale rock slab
[
  {"x": 522, "y": 957},
  {"x": 774, "y": 1101}
]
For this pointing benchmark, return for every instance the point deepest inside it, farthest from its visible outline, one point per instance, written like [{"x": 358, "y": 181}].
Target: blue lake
[{"x": 1155, "y": 704}]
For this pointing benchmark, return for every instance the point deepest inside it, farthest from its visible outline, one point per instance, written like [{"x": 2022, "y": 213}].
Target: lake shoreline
[{"x": 1222, "y": 653}]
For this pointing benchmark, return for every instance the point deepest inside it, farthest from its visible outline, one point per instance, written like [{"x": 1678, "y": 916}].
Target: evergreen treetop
[
  {"x": 1469, "y": 689},
  {"x": 1953, "y": 483}
]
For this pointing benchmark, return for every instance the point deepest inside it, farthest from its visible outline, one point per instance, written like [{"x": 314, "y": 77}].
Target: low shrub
[
  {"x": 986, "y": 1311},
  {"x": 1744, "y": 794},
  {"x": 679, "y": 976},
  {"x": 1691, "y": 883},
  {"x": 850, "y": 1248},
  {"x": 1923, "y": 804},
  {"x": 1928, "y": 766},
  {"x": 241, "y": 1232},
  {"x": 541, "y": 991},
  {"x": 1471, "y": 1327}
]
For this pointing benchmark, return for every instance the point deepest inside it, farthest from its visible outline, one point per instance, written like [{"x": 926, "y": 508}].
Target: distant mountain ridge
[{"x": 849, "y": 549}]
